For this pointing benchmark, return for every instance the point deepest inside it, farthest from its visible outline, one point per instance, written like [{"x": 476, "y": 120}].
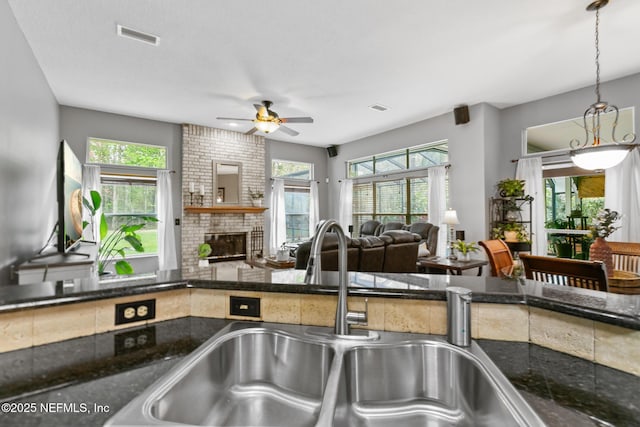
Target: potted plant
[
  {"x": 117, "y": 242},
  {"x": 256, "y": 197},
  {"x": 602, "y": 226},
  {"x": 204, "y": 250},
  {"x": 511, "y": 188},
  {"x": 562, "y": 246},
  {"x": 511, "y": 232},
  {"x": 465, "y": 249}
]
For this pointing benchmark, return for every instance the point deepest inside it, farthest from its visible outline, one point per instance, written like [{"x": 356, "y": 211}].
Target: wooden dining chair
[
  {"x": 499, "y": 255},
  {"x": 626, "y": 256},
  {"x": 564, "y": 271}
]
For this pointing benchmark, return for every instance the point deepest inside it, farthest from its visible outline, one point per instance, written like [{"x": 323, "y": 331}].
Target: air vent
[
  {"x": 137, "y": 35},
  {"x": 378, "y": 107}
]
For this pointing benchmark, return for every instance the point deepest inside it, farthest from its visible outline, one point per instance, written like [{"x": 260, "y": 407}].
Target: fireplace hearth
[{"x": 226, "y": 246}]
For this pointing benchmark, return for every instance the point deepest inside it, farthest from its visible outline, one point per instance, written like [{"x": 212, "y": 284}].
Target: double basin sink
[{"x": 288, "y": 375}]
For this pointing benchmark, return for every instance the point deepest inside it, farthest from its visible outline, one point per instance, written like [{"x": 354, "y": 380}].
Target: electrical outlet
[
  {"x": 244, "y": 306},
  {"x": 135, "y": 311}
]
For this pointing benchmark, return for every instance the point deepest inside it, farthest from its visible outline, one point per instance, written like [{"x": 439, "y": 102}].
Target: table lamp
[{"x": 451, "y": 219}]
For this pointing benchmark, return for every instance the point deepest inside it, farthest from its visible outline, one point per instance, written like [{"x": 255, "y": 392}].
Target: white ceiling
[{"x": 328, "y": 59}]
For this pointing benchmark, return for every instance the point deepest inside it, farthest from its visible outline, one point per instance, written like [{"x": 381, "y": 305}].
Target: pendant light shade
[{"x": 599, "y": 156}]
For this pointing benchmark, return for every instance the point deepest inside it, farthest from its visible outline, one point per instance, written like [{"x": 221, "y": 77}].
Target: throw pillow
[{"x": 422, "y": 250}]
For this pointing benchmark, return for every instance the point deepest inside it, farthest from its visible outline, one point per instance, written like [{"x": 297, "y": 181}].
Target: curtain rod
[{"x": 542, "y": 156}]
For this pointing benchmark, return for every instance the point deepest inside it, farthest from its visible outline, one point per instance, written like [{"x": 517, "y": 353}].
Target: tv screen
[{"x": 69, "y": 198}]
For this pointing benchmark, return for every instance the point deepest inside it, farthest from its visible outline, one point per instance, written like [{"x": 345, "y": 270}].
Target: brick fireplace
[{"x": 201, "y": 147}]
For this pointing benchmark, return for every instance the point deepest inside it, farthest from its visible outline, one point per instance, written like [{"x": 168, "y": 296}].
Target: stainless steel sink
[
  {"x": 419, "y": 384},
  {"x": 288, "y": 375}
]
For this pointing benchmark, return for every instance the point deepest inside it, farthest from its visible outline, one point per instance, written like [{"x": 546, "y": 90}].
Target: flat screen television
[{"x": 69, "y": 189}]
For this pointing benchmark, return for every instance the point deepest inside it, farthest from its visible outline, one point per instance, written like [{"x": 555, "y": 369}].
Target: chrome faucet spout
[{"x": 313, "y": 275}]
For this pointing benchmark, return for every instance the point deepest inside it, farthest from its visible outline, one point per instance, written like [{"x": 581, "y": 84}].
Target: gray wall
[
  {"x": 623, "y": 92},
  {"x": 29, "y": 140},
  {"x": 297, "y": 153},
  {"x": 77, "y": 124}
]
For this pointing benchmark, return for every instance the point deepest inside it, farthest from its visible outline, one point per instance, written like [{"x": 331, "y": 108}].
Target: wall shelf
[{"x": 225, "y": 209}]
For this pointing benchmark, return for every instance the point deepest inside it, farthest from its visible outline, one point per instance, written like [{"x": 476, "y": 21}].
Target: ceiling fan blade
[
  {"x": 234, "y": 119},
  {"x": 252, "y": 131},
  {"x": 297, "y": 120},
  {"x": 288, "y": 131}
]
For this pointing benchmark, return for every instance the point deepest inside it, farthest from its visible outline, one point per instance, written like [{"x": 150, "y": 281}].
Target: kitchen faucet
[{"x": 344, "y": 318}]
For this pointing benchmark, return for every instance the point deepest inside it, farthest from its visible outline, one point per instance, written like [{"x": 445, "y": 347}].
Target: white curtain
[
  {"x": 91, "y": 182},
  {"x": 278, "y": 217},
  {"x": 345, "y": 207},
  {"x": 622, "y": 194},
  {"x": 437, "y": 205},
  {"x": 530, "y": 171},
  {"x": 314, "y": 207},
  {"x": 167, "y": 258}
]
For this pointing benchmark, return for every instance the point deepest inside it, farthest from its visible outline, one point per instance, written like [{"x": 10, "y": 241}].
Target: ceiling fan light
[
  {"x": 600, "y": 157},
  {"x": 266, "y": 127}
]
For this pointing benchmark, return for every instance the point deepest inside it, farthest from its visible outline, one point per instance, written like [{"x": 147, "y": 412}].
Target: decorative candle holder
[{"x": 190, "y": 198}]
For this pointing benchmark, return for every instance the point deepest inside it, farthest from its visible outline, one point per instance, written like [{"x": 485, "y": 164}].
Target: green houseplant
[
  {"x": 119, "y": 241},
  {"x": 511, "y": 187},
  {"x": 511, "y": 232},
  {"x": 465, "y": 249},
  {"x": 204, "y": 250}
]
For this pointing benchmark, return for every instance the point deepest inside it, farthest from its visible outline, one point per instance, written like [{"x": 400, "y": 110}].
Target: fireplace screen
[{"x": 227, "y": 246}]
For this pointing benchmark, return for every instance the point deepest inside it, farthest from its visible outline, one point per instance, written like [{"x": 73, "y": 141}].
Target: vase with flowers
[{"x": 602, "y": 226}]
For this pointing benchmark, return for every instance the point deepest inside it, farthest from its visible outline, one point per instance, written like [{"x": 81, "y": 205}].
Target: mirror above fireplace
[{"x": 227, "y": 182}]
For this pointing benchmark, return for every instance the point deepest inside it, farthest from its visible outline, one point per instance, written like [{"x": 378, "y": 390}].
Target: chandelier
[{"x": 599, "y": 156}]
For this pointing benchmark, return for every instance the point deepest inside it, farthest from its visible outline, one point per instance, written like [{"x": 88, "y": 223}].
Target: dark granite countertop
[
  {"x": 616, "y": 309},
  {"x": 96, "y": 376}
]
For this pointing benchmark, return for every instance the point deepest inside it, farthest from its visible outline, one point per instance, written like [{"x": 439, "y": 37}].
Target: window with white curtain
[
  {"x": 394, "y": 186},
  {"x": 128, "y": 181},
  {"x": 297, "y": 176}
]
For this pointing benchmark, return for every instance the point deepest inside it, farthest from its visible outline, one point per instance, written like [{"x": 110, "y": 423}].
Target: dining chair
[
  {"x": 626, "y": 256},
  {"x": 567, "y": 272},
  {"x": 499, "y": 255}
]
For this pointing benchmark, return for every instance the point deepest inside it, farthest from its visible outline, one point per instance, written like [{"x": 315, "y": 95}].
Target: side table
[{"x": 445, "y": 265}]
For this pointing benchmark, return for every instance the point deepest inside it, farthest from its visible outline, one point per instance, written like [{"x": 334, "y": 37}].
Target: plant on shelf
[
  {"x": 511, "y": 187},
  {"x": 256, "y": 197},
  {"x": 558, "y": 223},
  {"x": 119, "y": 241},
  {"x": 511, "y": 232}
]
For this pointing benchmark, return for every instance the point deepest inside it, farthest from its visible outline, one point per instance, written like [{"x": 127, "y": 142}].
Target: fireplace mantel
[{"x": 225, "y": 209}]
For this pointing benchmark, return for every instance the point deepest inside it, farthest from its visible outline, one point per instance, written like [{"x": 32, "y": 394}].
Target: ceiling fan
[{"x": 268, "y": 121}]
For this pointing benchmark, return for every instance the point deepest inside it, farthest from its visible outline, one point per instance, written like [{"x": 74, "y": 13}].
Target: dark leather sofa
[{"x": 394, "y": 251}]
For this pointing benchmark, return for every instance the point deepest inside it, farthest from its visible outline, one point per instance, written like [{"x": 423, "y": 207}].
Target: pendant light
[{"x": 599, "y": 156}]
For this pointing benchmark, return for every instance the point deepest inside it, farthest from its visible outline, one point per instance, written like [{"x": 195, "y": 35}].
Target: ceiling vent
[
  {"x": 378, "y": 107},
  {"x": 137, "y": 35}
]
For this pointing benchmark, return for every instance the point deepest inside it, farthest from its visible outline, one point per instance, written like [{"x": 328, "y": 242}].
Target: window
[
  {"x": 128, "y": 193},
  {"x": 297, "y": 197},
  {"x": 394, "y": 186},
  {"x": 419, "y": 157},
  {"x": 107, "y": 152},
  {"x": 572, "y": 200}
]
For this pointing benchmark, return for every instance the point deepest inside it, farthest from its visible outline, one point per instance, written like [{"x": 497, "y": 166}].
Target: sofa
[{"x": 394, "y": 251}]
